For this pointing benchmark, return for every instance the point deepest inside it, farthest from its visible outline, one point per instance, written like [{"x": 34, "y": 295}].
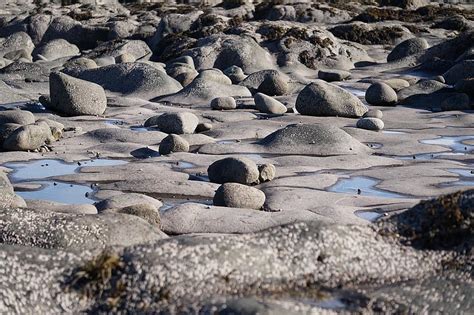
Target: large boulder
[
  {"x": 75, "y": 97},
  {"x": 381, "y": 94},
  {"x": 135, "y": 48},
  {"x": 173, "y": 143},
  {"x": 460, "y": 71},
  {"x": 316, "y": 139},
  {"x": 8, "y": 198},
  {"x": 407, "y": 48},
  {"x": 269, "y": 105},
  {"x": 235, "y": 170},
  {"x": 21, "y": 117},
  {"x": 15, "y": 42},
  {"x": 29, "y": 137},
  {"x": 324, "y": 99},
  {"x": 236, "y": 195},
  {"x": 55, "y": 49},
  {"x": 131, "y": 79}
]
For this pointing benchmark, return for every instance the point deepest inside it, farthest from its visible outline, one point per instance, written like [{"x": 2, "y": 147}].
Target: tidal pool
[{"x": 363, "y": 186}]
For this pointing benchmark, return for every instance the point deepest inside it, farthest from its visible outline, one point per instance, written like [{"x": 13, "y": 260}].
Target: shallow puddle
[
  {"x": 455, "y": 143},
  {"x": 37, "y": 173},
  {"x": 374, "y": 145},
  {"x": 363, "y": 186},
  {"x": 429, "y": 156},
  {"x": 371, "y": 216}
]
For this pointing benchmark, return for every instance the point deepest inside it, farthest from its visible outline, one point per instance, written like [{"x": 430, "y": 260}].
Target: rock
[
  {"x": 282, "y": 13},
  {"x": 146, "y": 211},
  {"x": 131, "y": 79},
  {"x": 203, "y": 127},
  {"x": 20, "y": 117},
  {"x": 370, "y": 34},
  {"x": 177, "y": 123},
  {"x": 269, "y": 105},
  {"x": 223, "y": 51},
  {"x": 126, "y": 200},
  {"x": 29, "y": 137},
  {"x": 14, "y": 42},
  {"x": 397, "y": 84},
  {"x": 370, "y": 123},
  {"x": 457, "y": 101},
  {"x": 465, "y": 86},
  {"x": 236, "y": 170},
  {"x": 55, "y": 49},
  {"x": 49, "y": 206},
  {"x": 6, "y": 130},
  {"x": 315, "y": 139},
  {"x": 421, "y": 87},
  {"x": 374, "y": 113},
  {"x": 381, "y": 94},
  {"x": 267, "y": 172},
  {"x": 407, "y": 48},
  {"x": 454, "y": 23},
  {"x": 235, "y": 195},
  {"x": 8, "y": 198},
  {"x": 324, "y": 99},
  {"x": 76, "y": 97},
  {"x": 78, "y": 64},
  {"x": 182, "y": 72},
  {"x": 223, "y": 103},
  {"x": 405, "y": 4},
  {"x": 173, "y": 143},
  {"x": 235, "y": 74},
  {"x": 273, "y": 85},
  {"x": 461, "y": 71},
  {"x": 333, "y": 75},
  {"x": 133, "y": 49},
  {"x": 124, "y": 58}
]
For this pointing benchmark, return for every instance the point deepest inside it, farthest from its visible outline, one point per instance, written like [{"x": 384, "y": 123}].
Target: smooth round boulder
[
  {"x": 465, "y": 86},
  {"x": 333, "y": 75},
  {"x": 456, "y": 101},
  {"x": 75, "y": 97},
  {"x": 274, "y": 85},
  {"x": 397, "y": 84},
  {"x": 16, "y": 116},
  {"x": 267, "y": 172},
  {"x": 370, "y": 123},
  {"x": 235, "y": 74},
  {"x": 374, "y": 113},
  {"x": 146, "y": 211},
  {"x": 55, "y": 49},
  {"x": 407, "y": 48},
  {"x": 125, "y": 200},
  {"x": 236, "y": 170},
  {"x": 29, "y": 137},
  {"x": 173, "y": 143},
  {"x": 236, "y": 195},
  {"x": 203, "y": 127},
  {"x": 223, "y": 103},
  {"x": 269, "y": 105},
  {"x": 177, "y": 123},
  {"x": 381, "y": 94},
  {"x": 325, "y": 99}
]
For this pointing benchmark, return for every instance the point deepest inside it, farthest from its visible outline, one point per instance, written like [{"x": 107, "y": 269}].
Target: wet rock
[
  {"x": 146, "y": 211},
  {"x": 456, "y": 101},
  {"x": 236, "y": 74},
  {"x": 223, "y": 51},
  {"x": 273, "y": 85},
  {"x": 20, "y": 117},
  {"x": 269, "y": 105},
  {"x": 407, "y": 48},
  {"x": 267, "y": 172},
  {"x": 370, "y": 123},
  {"x": 173, "y": 143},
  {"x": 75, "y": 97},
  {"x": 333, "y": 75},
  {"x": 461, "y": 71},
  {"x": 315, "y": 139},
  {"x": 465, "y": 86},
  {"x": 374, "y": 113},
  {"x": 126, "y": 200},
  {"x": 177, "y": 123},
  {"x": 55, "y": 49},
  {"x": 236, "y": 170},
  {"x": 235, "y": 195},
  {"x": 74, "y": 232},
  {"x": 223, "y": 103},
  {"x": 29, "y": 137},
  {"x": 381, "y": 94},
  {"x": 324, "y": 99},
  {"x": 131, "y": 79}
]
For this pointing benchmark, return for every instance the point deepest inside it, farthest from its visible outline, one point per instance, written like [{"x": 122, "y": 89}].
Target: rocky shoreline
[{"x": 236, "y": 158}]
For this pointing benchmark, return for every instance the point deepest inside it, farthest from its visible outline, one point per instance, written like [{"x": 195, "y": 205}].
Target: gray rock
[
  {"x": 276, "y": 81},
  {"x": 173, "y": 23},
  {"x": 14, "y": 42},
  {"x": 315, "y": 139},
  {"x": 182, "y": 72},
  {"x": 397, "y": 84},
  {"x": 29, "y": 137},
  {"x": 370, "y": 123},
  {"x": 75, "y": 97},
  {"x": 267, "y": 172},
  {"x": 235, "y": 74},
  {"x": 173, "y": 143},
  {"x": 405, "y": 4},
  {"x": 269, "y": 105},
  {"x": 131, "y": 79},
  {"x": 124, "y": 58},
  {"x": 421, "y": 87},
  {"x": 282, "y": 13},
  {"x": 381, "y": 94},
  {"x": 21, "y": 117},
  {"x": 177, "y": 123},
  {"x": 223, "y": 103},
  {"x": 78, "y": 64},
  {"x": 461, "y": 71},
  {"x": 456, "y": 101},
  {"x": 203, "y": 127},
  {"x": 146, "y": 211},
  {"x": 55, "y": 49},
  {"x": 136, "y": 49},
  {"x": 235, "y": 195},
  {"x": 8, "y": 198},
  {"x": 324, "y": 99},
  {"x": 223, "y": 51},
  {"x": 465, "y": 86},
  {"x": 374, "y": 113},
  {"x": 126, "y": 200},
  {"x": 333, "y": 75},
  {"x": 236, "y": 170},
  {"x": 273, "y": 85},
  {"x": 407, "y": 48},
  {"x": 6, "y": 131}
]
